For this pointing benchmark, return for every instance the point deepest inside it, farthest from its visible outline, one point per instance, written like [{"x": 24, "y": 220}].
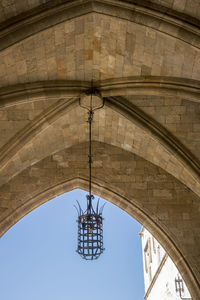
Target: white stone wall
[
  {"x": 153, "y": 254},
  {"x": 159, "y": 271}
]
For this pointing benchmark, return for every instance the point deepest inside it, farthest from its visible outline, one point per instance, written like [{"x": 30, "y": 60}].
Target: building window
[
  {"x": 179, "y": 286},
  {"x": 148, "y": 258},
  {"x": 158, "y": 254},
  {"x": 154, "y": 246},
  {"x": 150, "y": 274}
]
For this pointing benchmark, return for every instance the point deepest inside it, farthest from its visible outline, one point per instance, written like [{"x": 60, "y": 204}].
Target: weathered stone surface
[
  {"x": 147, "y": 136},
  {"x": 180, "y": 116},
  {"x": 94, "y": 53}
]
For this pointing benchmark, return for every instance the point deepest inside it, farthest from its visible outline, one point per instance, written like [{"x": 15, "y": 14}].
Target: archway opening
[{"x": 38, "y": 255}]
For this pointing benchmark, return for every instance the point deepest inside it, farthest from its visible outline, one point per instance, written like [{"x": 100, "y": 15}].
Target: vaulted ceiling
[{"x": 143, "y": 57}]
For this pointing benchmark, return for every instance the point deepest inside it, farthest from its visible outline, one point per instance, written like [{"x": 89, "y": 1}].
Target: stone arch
[
  {"x": 118, "y": 124},
  {"x": 138, "y": 53},
  {"x": 89, "y": 47},
  {"x": 180, "y": 21},
  {"x": 116, "y": 178}
]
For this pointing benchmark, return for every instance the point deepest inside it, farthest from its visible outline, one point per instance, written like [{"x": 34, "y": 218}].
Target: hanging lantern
[
  {"x": 90, "y": 231},
  {"x": 90, "y": 221}
]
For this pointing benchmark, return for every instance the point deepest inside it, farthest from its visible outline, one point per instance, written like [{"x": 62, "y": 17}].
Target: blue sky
[{"x": 38, "y": 259}]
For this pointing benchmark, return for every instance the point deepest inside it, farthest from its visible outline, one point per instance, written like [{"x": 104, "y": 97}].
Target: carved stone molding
[{"x": 138, "y": 85}]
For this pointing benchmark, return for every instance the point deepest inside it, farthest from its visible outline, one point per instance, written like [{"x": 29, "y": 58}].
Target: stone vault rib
[
  {"x": 165, "y": 20},
  {"x": 166, "y": 141}
]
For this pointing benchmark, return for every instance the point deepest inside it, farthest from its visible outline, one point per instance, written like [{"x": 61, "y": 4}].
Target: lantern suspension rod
[
  {"x": 91, "y": 108},
  {"x": 90, "y": 120}
]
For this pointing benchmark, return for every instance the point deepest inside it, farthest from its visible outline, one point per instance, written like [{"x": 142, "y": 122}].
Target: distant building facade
[{"x": 161, "y": 278}]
